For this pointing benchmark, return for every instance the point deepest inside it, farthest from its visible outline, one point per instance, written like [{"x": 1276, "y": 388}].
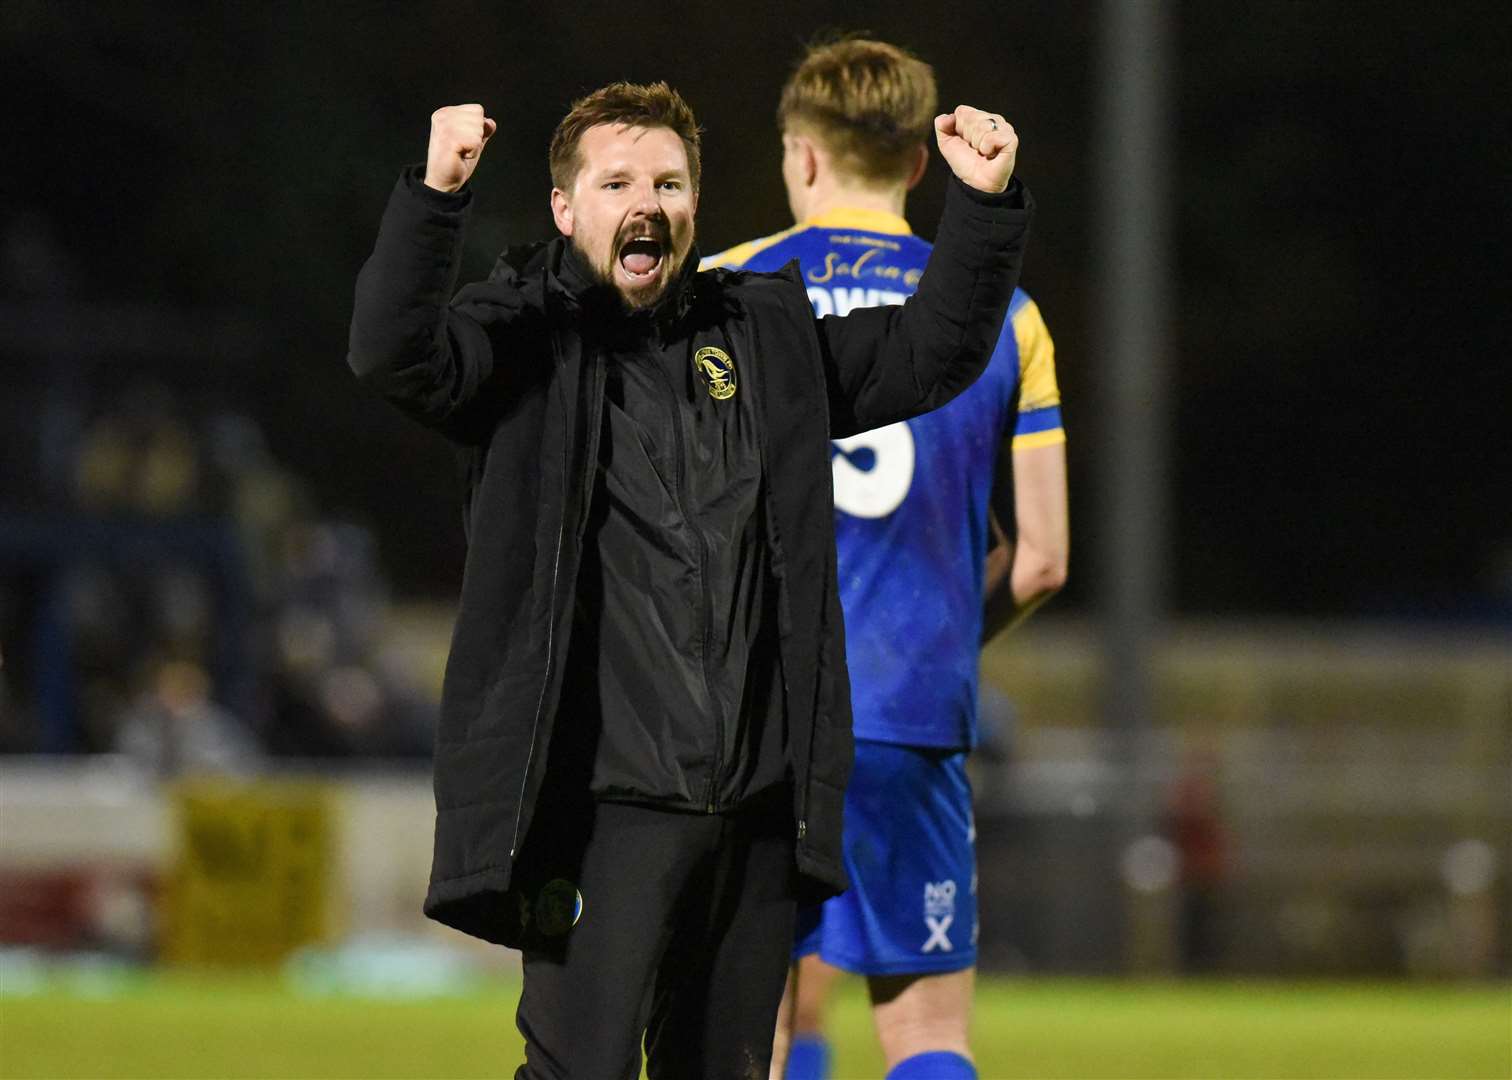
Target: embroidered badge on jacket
[{"x": 718, "y": 370}]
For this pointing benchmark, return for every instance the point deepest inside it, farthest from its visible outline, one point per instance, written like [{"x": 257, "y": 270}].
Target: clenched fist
[
  {"x": 980, "y": 147},
  {"x": 457, "y": 137}
]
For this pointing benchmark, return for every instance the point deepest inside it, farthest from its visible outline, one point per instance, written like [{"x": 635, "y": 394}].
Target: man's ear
[
  {"x": 561, "y": 211},
  {"x": 808, "y": 160},
  {"x": 921, "y": 162}
]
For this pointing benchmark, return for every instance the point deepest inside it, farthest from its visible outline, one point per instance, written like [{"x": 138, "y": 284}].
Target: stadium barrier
[{"x": 1310, "y": 802}]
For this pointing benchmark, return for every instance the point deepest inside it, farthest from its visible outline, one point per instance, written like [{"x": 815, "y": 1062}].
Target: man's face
[{"x": 630, "y": 210}]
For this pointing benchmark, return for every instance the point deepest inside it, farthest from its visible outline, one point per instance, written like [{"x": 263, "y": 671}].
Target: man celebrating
[
  {"x": 912, "y": 518},
  {"x": 645, "y": 724}
]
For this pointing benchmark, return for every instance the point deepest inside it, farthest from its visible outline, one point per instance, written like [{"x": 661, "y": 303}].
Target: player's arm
[
  {"x": 999, "y": 561},
  {"x": 1027, "y": 569},
  {"x": 406, "y": 342},
  {"x": 886, "y": 364},
  {"x": 1029, "y": 566}
]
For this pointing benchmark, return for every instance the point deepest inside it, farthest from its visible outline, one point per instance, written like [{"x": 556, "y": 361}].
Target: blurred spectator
[
  {"x": 265, "y": 500},
  {"x": 335, "y": 691},
  {"x": 140, "y": 459},
  {"x": 1194, "y": 824},
  {"x": 191, "y": 559},
  {"x": 174, "y": 729}
]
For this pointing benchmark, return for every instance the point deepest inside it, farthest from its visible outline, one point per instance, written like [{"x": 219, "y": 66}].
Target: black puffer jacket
[{"x": 501, "y": 371}]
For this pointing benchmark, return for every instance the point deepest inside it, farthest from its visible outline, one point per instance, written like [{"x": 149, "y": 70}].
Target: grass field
[{"x": 182, "y": 1026}]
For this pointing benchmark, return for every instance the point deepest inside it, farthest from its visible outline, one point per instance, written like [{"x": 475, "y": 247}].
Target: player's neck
[{"x": 827, "y": 199}]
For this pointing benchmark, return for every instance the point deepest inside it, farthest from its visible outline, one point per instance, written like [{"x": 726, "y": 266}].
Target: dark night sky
[{"x": 1342, "y": 173}]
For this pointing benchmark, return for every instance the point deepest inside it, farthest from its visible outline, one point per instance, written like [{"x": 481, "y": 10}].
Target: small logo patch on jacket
[
  {"x": 558, "y": 907},
  {"x": 718, "y": 370}
]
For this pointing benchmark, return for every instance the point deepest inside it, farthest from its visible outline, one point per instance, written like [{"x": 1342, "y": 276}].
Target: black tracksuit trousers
[{"x": 685, "y": 934}]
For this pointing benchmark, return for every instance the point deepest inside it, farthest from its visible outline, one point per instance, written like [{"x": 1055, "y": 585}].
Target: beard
[{"x": 647, "y": 243}]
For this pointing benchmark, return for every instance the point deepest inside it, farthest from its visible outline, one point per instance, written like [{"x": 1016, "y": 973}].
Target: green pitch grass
[{"x": 180, "y": 1026}]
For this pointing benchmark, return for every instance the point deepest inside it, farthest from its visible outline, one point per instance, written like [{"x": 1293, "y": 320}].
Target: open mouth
[{"x": 640, "y": 257}]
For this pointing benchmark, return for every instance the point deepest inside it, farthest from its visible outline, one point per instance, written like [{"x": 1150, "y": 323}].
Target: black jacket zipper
[
  {"x": 596, "y": 389},
  {"x": 556, "y": 566},
  {"x": 801, "y": 781},
  {"x": 706, "y": 604}
]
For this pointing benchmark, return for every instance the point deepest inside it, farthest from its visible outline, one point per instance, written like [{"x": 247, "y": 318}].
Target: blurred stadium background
[{"x": 1246, "y": 809}]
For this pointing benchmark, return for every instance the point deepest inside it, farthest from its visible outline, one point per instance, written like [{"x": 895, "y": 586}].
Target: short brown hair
[
  {"x": 632, "y": 104},
  {"x": 869, "y": 102}
]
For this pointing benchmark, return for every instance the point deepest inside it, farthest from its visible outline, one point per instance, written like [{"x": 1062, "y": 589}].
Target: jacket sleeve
[
  {"x": 407, "y": 342},
  {"x": 886, "y": 364}
]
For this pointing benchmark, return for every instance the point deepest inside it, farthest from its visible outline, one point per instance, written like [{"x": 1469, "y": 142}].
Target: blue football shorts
[{"x": 910, "y": 853}]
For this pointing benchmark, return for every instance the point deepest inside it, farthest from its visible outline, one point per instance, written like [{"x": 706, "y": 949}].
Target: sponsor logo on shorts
[{"x": 939, "y": 913}]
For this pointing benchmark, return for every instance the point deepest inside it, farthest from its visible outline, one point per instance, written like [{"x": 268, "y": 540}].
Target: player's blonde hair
[
  {"x": 870, "y": 103},
  {"x": 633, "y": 104}
]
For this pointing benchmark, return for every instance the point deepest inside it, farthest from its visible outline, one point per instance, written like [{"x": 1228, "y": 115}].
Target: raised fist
[
  {"x": 457, "y": 137},
  {"x": 980, "y": 147}
]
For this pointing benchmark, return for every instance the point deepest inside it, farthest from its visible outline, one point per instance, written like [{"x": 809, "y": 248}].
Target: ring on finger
[{"x": 993, "y": 121}]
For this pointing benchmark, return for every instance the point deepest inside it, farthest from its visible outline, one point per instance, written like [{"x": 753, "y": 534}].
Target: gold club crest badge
[{"x": 718, "y": 370}]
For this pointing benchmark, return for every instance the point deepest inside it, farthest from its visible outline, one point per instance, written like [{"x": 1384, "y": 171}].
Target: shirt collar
[{"x": 850, "y": 217}]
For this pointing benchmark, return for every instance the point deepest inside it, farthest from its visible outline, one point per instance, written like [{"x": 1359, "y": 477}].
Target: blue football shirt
[{"x": 911, "y": 499}]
